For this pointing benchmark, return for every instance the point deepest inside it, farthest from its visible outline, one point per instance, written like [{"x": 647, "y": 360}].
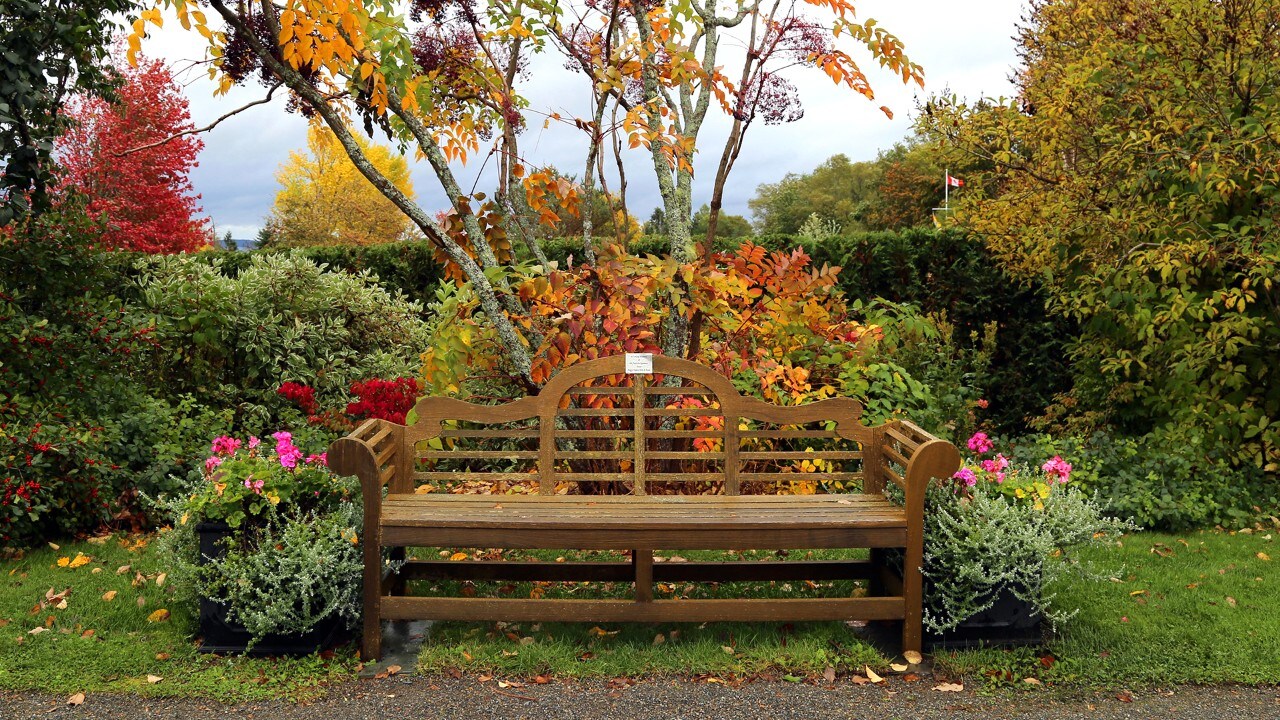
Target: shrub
[
  {"x": 235, "y": 341},
  {"x": 1162, "y": 484},
  {"x": 1006, "y": 527}
]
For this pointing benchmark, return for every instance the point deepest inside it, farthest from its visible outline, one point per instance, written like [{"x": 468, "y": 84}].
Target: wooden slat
[
  {"x": 387, "y": 474},
  {"x": 685, "y": 434},
  {"x": 600, "y": 391},
  {"x": 381, "y": 458},
  {"x": 382, "y": 434},
  {"x": 895, "y": 477},
  {"x": 684, "y": 455},
  {"x": 595, "y": 455},
  {"x": 900, "y": 437},
  {"x": 642, "y": 562},
  {"x": 474, "y": 476},
  {"x": 728, "y": 571},
  {"x": 761, "y": 538},
  {"x": 789, "y": 476},
  {"x": 605, "y": 501},
  {"x": 789, "y": 434},
  {"x": 895, "y": 456},
  {"x": 651, "y": 477},
  {"x": 802, "y": 455},
  {"x": 478, "y": 454},
  {"x": 598, "y": 611},
  {"x": 683, "y": 412},
  {"x": 490, "y": 433},
  {"x": 620, "y": 412},
  {"x": 690, "y": 391}
]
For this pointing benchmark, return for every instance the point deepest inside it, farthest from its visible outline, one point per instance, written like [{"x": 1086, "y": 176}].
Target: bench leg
[
  {"x": 642, "y": 562},
  {"x": 371, "y": 639},
  {"x": 913, "y": 595}
]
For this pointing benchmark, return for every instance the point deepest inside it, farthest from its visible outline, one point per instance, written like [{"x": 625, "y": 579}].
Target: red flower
[
  {"x": 384, "y": 399},
  {"x": 301, "y": 395}
]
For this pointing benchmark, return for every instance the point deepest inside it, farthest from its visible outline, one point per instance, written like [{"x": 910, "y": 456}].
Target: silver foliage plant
[
  {"x": 979, "y": 546},
  {"x": 298, "y": 572}
]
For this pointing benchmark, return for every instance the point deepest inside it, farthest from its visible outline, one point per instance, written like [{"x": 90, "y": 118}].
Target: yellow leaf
[
  {"x": 153, "y": 679},
  {"x": 160, "y": 615},
  {"x": 80, "y": 561},
  {"x": 458, "y": 556},
  {"x": 871, "y": 674},
  {"x": 64, "y": 561},
  {"x": 109, "y": 595},
  {"x": 1264, "y": 557},
  {"x": 912, "y": 657}
]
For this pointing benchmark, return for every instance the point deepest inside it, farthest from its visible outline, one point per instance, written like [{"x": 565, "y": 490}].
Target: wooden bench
[{"x": 633, "y": 441}]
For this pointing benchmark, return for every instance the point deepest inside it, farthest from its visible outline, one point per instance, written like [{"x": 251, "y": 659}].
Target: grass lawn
[
  {"x": 1200, "y": 607},
  {"x": 111, "y": 634},
  {"x": 1195, "y": 608}
]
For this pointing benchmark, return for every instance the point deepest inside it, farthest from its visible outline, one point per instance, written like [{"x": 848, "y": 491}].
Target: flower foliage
[
  {"x": 384, "y": 399},
  {"x": 245, "y": 481}
]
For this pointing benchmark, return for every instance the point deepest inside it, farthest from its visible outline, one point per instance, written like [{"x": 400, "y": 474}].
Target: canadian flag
[{"x": 954, "y": 181}]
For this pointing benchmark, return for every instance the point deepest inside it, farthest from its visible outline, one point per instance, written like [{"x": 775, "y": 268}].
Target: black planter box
[
  {"x": 225, "y": 637},
  {"x": 1009, "y": 622}
]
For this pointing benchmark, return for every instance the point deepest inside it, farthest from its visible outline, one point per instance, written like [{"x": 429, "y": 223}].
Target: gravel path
[{"x": 467, "y": 698}]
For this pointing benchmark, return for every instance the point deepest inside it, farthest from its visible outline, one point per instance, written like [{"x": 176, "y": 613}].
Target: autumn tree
[
  {"x": 131, "y": 159},
  {"x": 442, "y": 76},
  {"x": 324, "y": 200},
  {"x": 1137, "y": 175},
  {"x": 53, "y": 49}
]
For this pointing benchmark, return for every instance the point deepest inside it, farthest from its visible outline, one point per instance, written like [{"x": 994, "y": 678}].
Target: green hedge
[{"x": 938, "y": 271}]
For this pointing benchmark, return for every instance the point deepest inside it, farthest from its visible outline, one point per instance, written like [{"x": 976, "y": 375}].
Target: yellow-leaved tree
[{"x": 325, "y": 200}]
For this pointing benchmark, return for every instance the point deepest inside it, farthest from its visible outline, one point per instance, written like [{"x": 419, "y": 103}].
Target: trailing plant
[{"x": 1003, "y": 527}]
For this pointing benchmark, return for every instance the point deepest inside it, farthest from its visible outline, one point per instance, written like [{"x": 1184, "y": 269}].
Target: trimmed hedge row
[{"x": 938, "y": 271}]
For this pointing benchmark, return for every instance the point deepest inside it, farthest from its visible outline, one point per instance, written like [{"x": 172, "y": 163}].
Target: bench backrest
[{"x": 684, "y": 423}]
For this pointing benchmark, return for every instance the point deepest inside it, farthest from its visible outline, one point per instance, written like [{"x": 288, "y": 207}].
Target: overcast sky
[{"x": 965, "y": 48}]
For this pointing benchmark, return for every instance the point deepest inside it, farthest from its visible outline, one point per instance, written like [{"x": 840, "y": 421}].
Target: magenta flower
[
  {"x": 254, "y": 442},
  {"x": 996, "y": 466},
  {"x": 322, "y": 458},
  {"x": 254, "y": 485},
  {"x": 966, "y": 476},
  {"x": 225, "y": 445},
  {"x": 211, "y": 463},
  {"x": 1058, "y": 467},
  {"x": 980, "y": 443}
]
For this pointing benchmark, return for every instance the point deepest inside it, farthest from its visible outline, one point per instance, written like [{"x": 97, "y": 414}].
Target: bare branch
[{"x": 206, "y": 128}]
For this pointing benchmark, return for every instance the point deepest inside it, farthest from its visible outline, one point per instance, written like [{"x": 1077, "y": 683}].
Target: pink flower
[
  {"x": 322, "y": 458},
  {"x": 980, "y": 443},
  {"x": 996, "y": 466},
  {"x": 966, "y": 475},
  {"x": 982, "y": 403},
  {"x": 254, "y": 442},
  {"x": 254, "y": 485},
  {"x": 211, "y": 463},
  {"x": 1058, "y": 467},
  {"x": 225, "y": 445}
]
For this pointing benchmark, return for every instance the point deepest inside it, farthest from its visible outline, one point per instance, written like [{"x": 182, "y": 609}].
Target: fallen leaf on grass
[
  {"x": 913, "y": 657},
  {"x": 76, "y": 699},
  {"x": 1231, "y": 601},
  {"x": 153, "y": 679},
  {"x": 37, "y": 630},
  {"x": 3, "y": 622},
  {"x": 458, "y": 557},
  {"x": 123, "y": 569},
  {"x": 949, "y": 687},
  {"x": 55, "y": 546},
  {"x": 161, "y": 578},
  {"x": 109, "y": 595},
  {"x": 160, "y": 615},
  {"x": 1264, "y": 557},
  {"x": 142, "y": 601},
  {"x": 1032, "y": 681},
  {"x": 80, "y": 561},
  {"x": 659, "y": 639},
  {"x": 727, "y": 650},
  {"x": 871, "y": 674},
  {"x": 162, "y": 656},
  {"x": 87, "y": 633}
]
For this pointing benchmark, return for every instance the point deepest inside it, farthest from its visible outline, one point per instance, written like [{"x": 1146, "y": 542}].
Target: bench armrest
[
  {"x": 363, "y": 454},
  {"x": 929, "y": 459}
]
